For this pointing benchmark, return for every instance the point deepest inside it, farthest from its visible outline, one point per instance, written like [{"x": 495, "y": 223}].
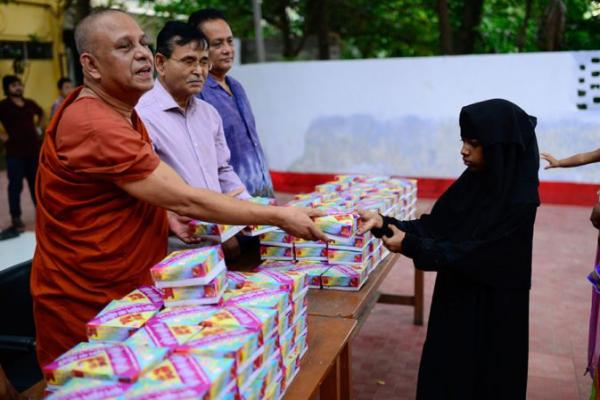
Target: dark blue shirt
[{"x": 247, "y": 156}]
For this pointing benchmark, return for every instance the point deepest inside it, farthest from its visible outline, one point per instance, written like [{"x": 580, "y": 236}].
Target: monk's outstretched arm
[{"x": 164, "y": 188}]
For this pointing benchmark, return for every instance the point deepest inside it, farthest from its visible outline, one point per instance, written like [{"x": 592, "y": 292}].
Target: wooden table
[
  {"x": 357, "y": 305},
  {"x": 322, "y": 369}
]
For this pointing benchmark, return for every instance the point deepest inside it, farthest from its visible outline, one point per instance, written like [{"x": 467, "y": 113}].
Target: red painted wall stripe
[{"x": 580, "y": 194}]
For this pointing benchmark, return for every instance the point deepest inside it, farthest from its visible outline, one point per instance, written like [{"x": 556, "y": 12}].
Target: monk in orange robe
[{"x": 102, "y": 192}]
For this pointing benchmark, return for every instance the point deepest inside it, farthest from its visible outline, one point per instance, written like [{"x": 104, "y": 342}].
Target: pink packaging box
[
  {"x": 160, "y": 334},
  {"x": 189, "y": 267},
  {"x": 209, "y": 293},
  {"x": 119, "y": 320}
]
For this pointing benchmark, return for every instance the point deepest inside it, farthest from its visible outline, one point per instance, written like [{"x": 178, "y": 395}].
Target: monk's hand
[
  {"x": 552, "y": 162},
  {"x": 179, "y": 226},
  {"x": 394, "y": 243},
  {"x": 368, "y": 220},
  {"x": 595, "y": 217},
  {"x": 297, "y": 221},
  {"x": 236, "y": 192}
]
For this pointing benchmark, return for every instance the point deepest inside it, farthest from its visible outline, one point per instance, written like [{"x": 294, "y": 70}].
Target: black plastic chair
[{"x": 17, "y": 332}]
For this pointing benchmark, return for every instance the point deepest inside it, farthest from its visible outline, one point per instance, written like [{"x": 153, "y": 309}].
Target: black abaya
[{"x": 478, "y": 238}]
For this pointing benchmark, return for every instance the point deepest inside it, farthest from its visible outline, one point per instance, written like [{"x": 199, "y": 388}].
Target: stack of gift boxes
[
  {"x": 248, "y": 346},
  {"x": 203, "y": 332},
  {"x": 191, "y": 277},
  {"x": 346, "y": 261}
]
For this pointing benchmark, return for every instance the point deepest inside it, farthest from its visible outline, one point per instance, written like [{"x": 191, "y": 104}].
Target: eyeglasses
[{"x": 193, "y": 62}]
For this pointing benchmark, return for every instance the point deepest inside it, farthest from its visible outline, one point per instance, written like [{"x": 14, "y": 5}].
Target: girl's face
[{"x": 472, "y": 154}]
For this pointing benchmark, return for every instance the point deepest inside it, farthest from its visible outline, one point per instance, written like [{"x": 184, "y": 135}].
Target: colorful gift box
[
  {"x": 276, "y": 253},
  {"x": 147, "y": 389},
  {"x": 58, "y": 372},
  {"x": 215, "y": 232},
  {"x": 337, "y": 226},
  {"x": 235, "y": 279},
  {"x": 253, "y": 296},
  {"x": 89, "y": 389},
  {"x": 335, "y": 256},
  {"x": 291, "y": 367},
  {"x": 302, "y": 344},
  {"x": 272, "y": 367},
  {"x": 118, "y": 362},
  {"x": 270, "y": 346},
  {"x": 159, "y": 334},
  {"x": 311, "y": 253},
  {"x": 273, "y": 391},
  {"x": 357, "y": 242},
  {"x": 119, "y": 320},
  {"x": 215, "y": 374},
  {"x": 189, "y": 267},
  {"x": 239, "y": 344},
  {"x": 253, "y": 389},
  {"x": 185, "y": 315},
  {"x": 345, "y": 277},
  {"x": 300, "y": 324},
  {"x": 312, "y": 270},
  {"x": 295, "y": 282},
  {"x": 276, "y": 238},
  {"x": 286, "y": 342},
  {"x": 209, "y": 293},
  {"x": 145, "y": 295},
  {"x": 261, "y": 320},
  {"x": 298, "y": 307}
]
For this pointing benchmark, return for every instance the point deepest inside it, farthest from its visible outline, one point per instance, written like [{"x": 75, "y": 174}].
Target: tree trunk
[
  {"x": 523, "y": 29},
  {"x": 284, "y": 26},
  {"x": 467, "y": 34},
  {"x": 553, "y": 25},
  {"x": 322, "y": 22},
  {"x": 444, "y": 25}
]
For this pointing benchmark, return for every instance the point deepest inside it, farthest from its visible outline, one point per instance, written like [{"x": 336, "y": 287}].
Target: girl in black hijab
[{"x": 478, "y": 238}]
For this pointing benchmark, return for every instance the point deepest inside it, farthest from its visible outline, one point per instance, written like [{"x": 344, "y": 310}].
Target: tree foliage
[{"x": 393, "y": 28}]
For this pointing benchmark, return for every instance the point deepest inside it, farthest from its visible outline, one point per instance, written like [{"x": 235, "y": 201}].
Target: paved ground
[{"x": 386, "y": 353}]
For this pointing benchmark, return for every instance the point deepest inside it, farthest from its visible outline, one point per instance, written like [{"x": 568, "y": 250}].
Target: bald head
[{"x": 89, "y": 26}]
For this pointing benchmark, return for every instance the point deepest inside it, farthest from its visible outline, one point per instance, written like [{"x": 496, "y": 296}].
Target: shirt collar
[
  {"x": 212, "y": 82},
  {"x": 165, "y": 101}
]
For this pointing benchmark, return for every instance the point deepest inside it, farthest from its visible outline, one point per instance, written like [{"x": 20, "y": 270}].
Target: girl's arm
[{"x": 573, "y": 161}]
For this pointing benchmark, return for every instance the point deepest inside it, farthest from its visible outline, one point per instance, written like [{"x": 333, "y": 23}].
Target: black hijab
[{"x": 474, "y": 206}]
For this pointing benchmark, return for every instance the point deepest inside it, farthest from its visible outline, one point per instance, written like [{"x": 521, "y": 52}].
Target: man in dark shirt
[
  {"x": 229, "y": 98},
  {"x": 20, "y": 120}
]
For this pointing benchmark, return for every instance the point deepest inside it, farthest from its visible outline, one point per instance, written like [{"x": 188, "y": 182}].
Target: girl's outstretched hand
[{"x": 552, "y": 162}]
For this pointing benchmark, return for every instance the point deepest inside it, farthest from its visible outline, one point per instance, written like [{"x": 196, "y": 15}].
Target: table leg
[
  {"x": 330, "y": 387},
  {"x": 419, "y": 283},
  {"x": 346, "y": 372}
]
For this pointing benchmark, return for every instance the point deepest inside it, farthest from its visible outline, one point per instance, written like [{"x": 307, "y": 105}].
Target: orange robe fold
[{"x": 95, "y": 242}]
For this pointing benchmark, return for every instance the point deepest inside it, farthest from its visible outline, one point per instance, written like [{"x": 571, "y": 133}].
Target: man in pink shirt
[{"x": 187, "y": 133}]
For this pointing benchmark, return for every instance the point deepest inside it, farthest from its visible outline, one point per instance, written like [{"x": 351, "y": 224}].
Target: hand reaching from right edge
[{"x": 552, "y": 162}]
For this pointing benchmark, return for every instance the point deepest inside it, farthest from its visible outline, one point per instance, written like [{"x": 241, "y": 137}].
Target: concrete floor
[{"x": 386, "y": 352}]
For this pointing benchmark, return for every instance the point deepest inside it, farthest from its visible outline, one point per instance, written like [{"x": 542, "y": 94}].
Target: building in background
[{"x": 31, "y": 46}]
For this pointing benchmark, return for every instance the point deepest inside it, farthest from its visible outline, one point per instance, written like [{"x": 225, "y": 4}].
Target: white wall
[{"x": 400, "y": 116}]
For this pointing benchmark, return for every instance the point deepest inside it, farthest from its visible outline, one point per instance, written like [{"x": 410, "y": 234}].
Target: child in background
[{"x": 577, "y": 160}]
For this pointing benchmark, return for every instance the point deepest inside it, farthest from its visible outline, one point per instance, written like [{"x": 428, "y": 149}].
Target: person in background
[
  {"x": 21, "y": 122},
  {"x": 577, "y": 160},
  {"x": 186, "y": 132},
  {"x": 229, "y": 98},
  {"x": 479, "y": 239},
  {"x": 65, "y": 86}
]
